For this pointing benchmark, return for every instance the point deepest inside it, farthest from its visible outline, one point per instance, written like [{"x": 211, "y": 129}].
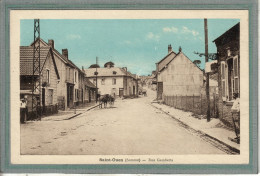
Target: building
[
  {"x": 178, "y": 75},
  {"x": 78, "y": 84},
  {"x": 228, "y": 50},
  {"x": 49, "y": 78},
  {"x": 113, "y": 80},
  {"x": 65, "y": 83},
  {"x": 71, "y": 84},
  {"x": 90, "y": 91}
]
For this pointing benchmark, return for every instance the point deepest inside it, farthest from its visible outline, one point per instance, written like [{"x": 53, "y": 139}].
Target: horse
[
  {"x": 144, "y": 93},
  {"x": 103, "y": 100},
  {"x": 111, "y": 100},
  {"x": 106, "y": 99}
]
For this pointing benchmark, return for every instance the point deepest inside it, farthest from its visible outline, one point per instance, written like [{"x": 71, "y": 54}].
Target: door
[
  {"x": 43, "y": 100},
  {"x": 89, "y": 96},
  {"x": 113, "y": 92},
  {"x": 121, "y": 92},
  {"x": 82, "y": 96},
  {"x": 160, "y": 90},
  {"x": 68, "y": 95}
]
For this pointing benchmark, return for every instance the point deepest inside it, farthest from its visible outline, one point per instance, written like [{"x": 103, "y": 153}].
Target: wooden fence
[{"x": 195, "y": 104}]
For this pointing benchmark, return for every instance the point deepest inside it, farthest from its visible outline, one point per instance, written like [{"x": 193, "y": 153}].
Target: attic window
[
  {"x": 95, "y": 73},
  {"x": 114, "y": 72},
  {"x": 228, "y": 52}
]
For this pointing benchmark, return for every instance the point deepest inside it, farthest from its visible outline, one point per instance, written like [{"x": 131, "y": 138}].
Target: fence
[
  {"x": 196, "y": 104},
  {"x": 44, "y": 111}
]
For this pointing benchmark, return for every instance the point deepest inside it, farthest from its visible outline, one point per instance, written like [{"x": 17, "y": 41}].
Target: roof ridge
[{"x": 172, "y": 52}]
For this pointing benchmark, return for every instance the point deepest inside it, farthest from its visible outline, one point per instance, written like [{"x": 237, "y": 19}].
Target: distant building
[
  {"x": 113, "y": 80},
  {"x": 90, "y": 91},
  {"x": 228, "y": 50},
  {"x": 178, "y": 75}
]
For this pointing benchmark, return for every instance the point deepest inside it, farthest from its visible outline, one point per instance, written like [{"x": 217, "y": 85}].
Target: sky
[{"x": 136, "y": 44}]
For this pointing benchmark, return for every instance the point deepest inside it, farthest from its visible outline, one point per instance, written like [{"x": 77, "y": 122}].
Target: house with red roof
[{"x": 49, "y": 77}]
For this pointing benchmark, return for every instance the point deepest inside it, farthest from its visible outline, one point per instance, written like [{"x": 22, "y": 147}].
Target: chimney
[
  {"x": 125, "y": 68},
  {"x": 51, "y": 43},
  {"x": 65, "y": 53},
  {"x": 169, "y": 48},
  {"x": 180, "y": 49}
]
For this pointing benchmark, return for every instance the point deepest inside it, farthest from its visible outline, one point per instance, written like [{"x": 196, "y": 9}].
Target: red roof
[{"x": 26, "y": 59}]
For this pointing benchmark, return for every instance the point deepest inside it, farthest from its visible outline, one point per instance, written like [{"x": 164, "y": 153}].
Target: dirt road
[{"x": 131, "y": 126}]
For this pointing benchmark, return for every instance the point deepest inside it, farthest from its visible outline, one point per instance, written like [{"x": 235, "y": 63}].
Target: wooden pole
[
  {"x": 192, "y": 102},
  {"x": 96, "y": 80},
  {"x": 207, "y": 75}
]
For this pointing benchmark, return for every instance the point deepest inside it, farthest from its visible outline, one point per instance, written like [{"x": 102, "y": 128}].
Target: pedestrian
[{"x": 23, "y": 110}]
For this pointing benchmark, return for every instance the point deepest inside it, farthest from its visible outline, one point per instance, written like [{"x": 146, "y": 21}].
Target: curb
[
  {"x": 198, "y": 131},
  {"x": 92, "y": 107}
]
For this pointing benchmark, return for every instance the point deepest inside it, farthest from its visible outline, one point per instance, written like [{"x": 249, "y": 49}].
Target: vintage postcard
[{"x": 129, "y": 86}]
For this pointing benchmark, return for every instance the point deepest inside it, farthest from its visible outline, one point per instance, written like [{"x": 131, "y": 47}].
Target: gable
[
  {"x": 162, "y": 63},
  {"x": 26, "y": 59},
  {"x": 42, "y": 42},
  {"x": 182, "y": 64}
]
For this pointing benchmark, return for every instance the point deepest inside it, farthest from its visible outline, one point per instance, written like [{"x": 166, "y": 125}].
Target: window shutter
[
  {"x": 223, "y": 80},
  {"x": 236, "y": 78}
]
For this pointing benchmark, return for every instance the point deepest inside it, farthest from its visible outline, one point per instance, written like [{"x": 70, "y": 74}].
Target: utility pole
[
  {"x": 207, "y": 74},
  {"x": 96, "y": 80},
  {"x": 36, "y": 78}
]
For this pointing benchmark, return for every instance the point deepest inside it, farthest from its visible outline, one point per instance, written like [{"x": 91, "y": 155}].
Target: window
[
  {"x": 50, "y": 96},
  {"x": 75, "y": 76},
  {"x": 48, "y": 76},
  {"x": 114, "y": 81},
  {"x": 229, "y": 78},
  {"x": 69, "y": 73},
  {"x": 94, "y": 81},
  {"x": 103, "y": 81},
  {"x": 236, "y": 77},
  {"x": 223, "y": 80},
  {"x": 228, "y": 52}
]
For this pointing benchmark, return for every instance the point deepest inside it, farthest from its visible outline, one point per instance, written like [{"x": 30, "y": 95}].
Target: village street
[{"x": 131, "y": 126}]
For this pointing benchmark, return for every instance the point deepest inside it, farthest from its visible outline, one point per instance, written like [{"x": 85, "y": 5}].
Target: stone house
[
  {"x": 113, "y": 80},
  {"x": 49, "y": 77},
  {"x": 178, "y": 75},
  {"x": 70, "y": 86},
  {"x": 228, "y": 50},
  {"x": 65, "y": 84}
]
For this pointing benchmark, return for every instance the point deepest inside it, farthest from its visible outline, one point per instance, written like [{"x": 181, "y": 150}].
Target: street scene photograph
[{"x": 130, "y": 86}]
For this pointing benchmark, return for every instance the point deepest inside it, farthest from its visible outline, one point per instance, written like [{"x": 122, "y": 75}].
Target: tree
[
  {"x": 197, "y": 62},
  {"x": 94, "y": 66},
  {"x": 110, "y": 64}
]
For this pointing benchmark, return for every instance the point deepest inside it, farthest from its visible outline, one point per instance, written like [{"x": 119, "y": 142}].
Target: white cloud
[
  {"x": 153, "y": 36},
  {"x": 189, "y": 31},
  {"x": 127, "y": 42},
  {"x": 172, "y": 29},
  {"x": 73, "y": 37}
]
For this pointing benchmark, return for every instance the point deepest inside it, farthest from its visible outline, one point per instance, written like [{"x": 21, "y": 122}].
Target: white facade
[
  {"x": 109, "y": 85},
  {"x": 181, "y": 77}
]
